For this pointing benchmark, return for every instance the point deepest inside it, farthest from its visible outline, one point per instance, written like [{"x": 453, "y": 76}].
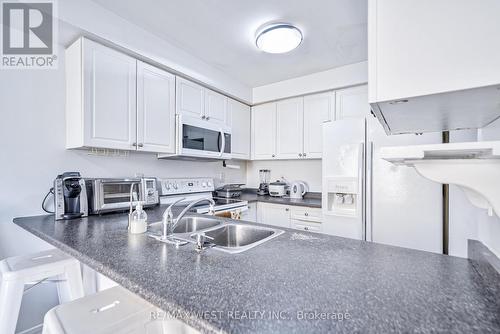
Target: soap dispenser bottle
[{"x": 139, "y": 219}]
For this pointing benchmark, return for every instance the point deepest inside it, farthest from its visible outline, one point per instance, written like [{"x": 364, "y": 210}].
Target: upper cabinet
[
  {"x": 351, "y": 103},
  {"x": 197, "y": 101},
  {"x": 215, "y": 107},
  {"x": 434, "y": 66},
  {"x": 318, "y": 108},
  {"x": 155, "y": 109},
  {"x": 264, "y": 131},
  {"x": 291, "y": 128},
  {"x": 290, "y": 124},
  {"x": 240, "y": 128},
  {"x": 100, "y": 97},
  {"x": 190, "y": 98},
  {"x": 115, "y": 102}
]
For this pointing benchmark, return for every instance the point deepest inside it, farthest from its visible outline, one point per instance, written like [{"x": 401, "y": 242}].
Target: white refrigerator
[{"x": 367, "y": 198}]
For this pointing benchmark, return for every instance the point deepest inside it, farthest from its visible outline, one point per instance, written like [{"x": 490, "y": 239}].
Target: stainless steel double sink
[{"x": 224, "y": 235}]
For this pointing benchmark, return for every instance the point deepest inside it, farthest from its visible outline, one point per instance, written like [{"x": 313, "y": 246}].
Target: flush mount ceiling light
[{"x": 278, "y": 38}]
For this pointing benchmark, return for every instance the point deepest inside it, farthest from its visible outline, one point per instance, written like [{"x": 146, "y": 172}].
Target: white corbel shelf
[{"x": 473, "y": 166}]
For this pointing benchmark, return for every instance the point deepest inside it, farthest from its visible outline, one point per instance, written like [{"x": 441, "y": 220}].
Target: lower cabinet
[
  {"x": 297, "y": 217},
  {"x": 251, "y": 213},
  {"x": 273, "y": 214}
]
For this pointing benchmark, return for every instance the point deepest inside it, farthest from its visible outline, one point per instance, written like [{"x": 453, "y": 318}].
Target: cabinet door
[
  {"x": 155, "y": 109},
  {"x": 250, "y": 214},
  {"x": 352, "y": 103},
  {"x": 264, "y": 131},
  {"x": 318, "y": 108},
  {"x": 215, "y": 107},
  {"x": 110, "y": 98},
  {"x": 240, "y": 127},
  {"x": 190, "y": 100},
  {"x": 273, "y": 214},
  {"x": 290, "y": 125}
]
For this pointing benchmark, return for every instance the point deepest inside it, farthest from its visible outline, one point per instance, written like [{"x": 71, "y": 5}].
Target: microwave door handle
[{"x": 223, "y": 146}]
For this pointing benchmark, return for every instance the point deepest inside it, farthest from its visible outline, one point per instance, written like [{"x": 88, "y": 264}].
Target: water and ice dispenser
[{"x": 343, "y": 196}]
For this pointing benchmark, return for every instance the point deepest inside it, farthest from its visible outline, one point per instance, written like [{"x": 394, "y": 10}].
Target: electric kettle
[{"x": 298, "y": 189}]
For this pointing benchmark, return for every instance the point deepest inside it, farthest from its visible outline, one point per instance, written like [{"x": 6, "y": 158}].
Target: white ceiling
[{"x": 221, "y": 32}]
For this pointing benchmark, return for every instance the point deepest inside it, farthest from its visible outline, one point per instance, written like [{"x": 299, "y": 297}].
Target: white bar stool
[
  {"x": 47, "y": 266},
  {"x": 115, "y": 310}
]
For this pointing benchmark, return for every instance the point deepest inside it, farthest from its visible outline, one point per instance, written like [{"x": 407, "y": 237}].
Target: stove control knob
[
  {"x": 167, "y": 186},
  {"x": 176, "y": 186},
  {"x": 209, "y": 183},
  {"x": 203, "y": 184}
]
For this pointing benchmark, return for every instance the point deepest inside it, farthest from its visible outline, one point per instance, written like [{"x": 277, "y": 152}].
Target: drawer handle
[{"x": 306, "y": 228}]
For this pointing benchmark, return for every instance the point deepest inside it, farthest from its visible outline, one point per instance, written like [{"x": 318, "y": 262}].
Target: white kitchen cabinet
[
  {"x": 190, "y": 98},
  {"x": 318, "y": 108},
  {"x": 351, "y": 103},
  {"x": 196, "y": 101},
  {"x": 155, "y": 109},
  {"x": 264, "y": 132},
  {"x": 251, "y": 213},
  {"x": 240, "y": 122},
  {"x": 433, "y": 65},
  {"x": 215, "y": 107},
  {"x": 289, "y": 128},
  {"x": 100, "y": 97},
  {"x": 114, "y": 101},
  {"x": 273, "y": 214},
  {"x": 307, "y": 226}
]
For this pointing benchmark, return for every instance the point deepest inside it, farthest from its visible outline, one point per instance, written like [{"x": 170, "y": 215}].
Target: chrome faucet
[
  {"x": 168, "y": 221},
  {"x": 131, "y": 200}
]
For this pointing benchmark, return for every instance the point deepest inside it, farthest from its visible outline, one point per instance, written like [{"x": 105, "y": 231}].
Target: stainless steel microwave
[{"x": 198, "y": 138}]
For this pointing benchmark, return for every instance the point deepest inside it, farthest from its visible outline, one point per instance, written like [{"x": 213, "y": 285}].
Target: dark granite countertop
[
  {"x": 374, "y": 288},
  {"x": 312, "y": 200}
]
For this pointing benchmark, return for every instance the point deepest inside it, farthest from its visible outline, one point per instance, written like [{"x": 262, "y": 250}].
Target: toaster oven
[{"x": 108, "y": 195}]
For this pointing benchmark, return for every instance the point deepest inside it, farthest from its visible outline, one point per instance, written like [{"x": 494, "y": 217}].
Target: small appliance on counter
[
  {"x": 230, "y": 190},
  {"x": 278, "y": 188},
  {"x": 70, "y": 196},
  {"x": 108, "y": 195},
  {"x": 265, "y": 176},
  {"x": 298, "y": 189}
]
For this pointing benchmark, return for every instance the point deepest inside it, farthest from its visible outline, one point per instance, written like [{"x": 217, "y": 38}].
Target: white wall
[
  {"x": 335, "y": 78},
  {"x": 305, "y": 170},
  {"x": 32, "y": 131}
]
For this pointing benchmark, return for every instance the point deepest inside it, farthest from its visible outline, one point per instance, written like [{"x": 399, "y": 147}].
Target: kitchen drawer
[
  {"x": 307, "y": 214},
  {"x": 308, "y": 226}
]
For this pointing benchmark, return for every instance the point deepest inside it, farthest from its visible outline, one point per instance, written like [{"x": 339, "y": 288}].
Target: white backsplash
[{"x": 305, "y": 170}]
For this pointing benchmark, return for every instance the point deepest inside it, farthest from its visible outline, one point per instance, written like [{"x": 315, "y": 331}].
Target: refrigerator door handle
[{"x": 369, "y": 192}]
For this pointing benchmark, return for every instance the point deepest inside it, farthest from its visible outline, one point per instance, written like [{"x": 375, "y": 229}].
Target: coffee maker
[
  {"x": 70, "y": 196},
  {"x": 265, "y": 177}
]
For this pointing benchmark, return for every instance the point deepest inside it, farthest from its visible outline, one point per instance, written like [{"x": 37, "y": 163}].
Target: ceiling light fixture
[{"x": 278, "y": 38}]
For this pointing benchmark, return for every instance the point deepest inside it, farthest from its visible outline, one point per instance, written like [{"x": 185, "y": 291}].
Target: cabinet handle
[
  {"x": 203, "y": 117},
  {"x": 207, "y": 118},
  {"x": 273, "y": 155},
  {"x": 306, "y": 228},
  {"x": 306, "y": 214},
  {"x": 141, "y": 145},
  {"x": 134, "y": 144},
  {"x": 304, "y": 154},
  {"x": 287, "y": 209}
]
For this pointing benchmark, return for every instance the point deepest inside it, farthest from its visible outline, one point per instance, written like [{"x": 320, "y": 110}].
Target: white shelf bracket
[{"x": 474, "y": 167}]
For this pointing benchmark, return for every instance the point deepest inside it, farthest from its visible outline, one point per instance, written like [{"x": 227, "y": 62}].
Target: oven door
[
  {"x": 113, "y": 195},
  {"x": 199, "y": 138}
]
